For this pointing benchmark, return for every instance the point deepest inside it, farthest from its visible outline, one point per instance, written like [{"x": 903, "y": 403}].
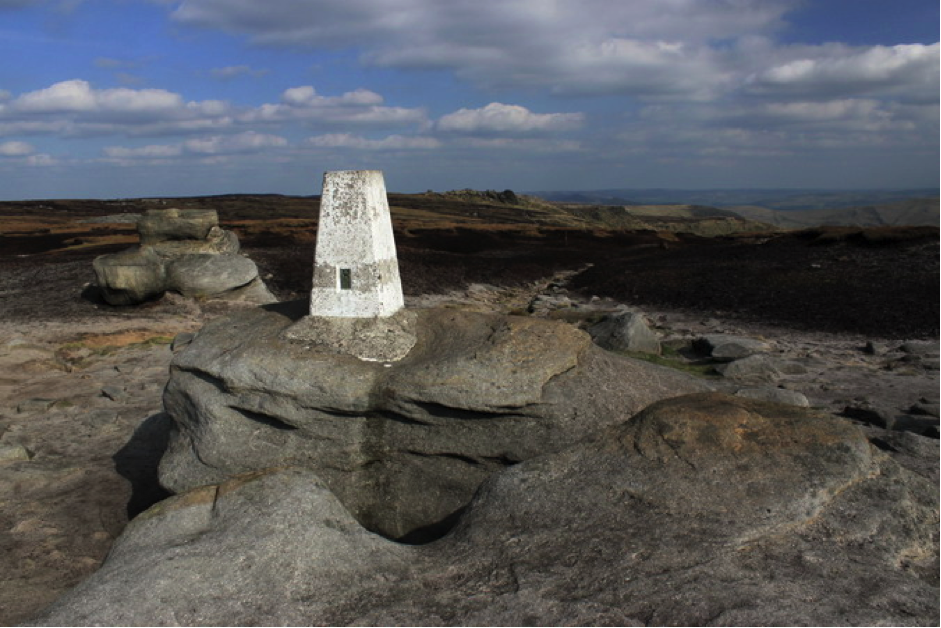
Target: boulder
[
  {"x": 701, "y": 510},
  {"x": 726, "y": 348},
  {"x": 625, "y": 331},
  {"x": 403, "y": 444},
  {"x": 159, "y": 225},
  {"x": 865, "y": 411},
  {"x": 754, "y": 368},
  {"x": 202, "y": 275},
  {"x": 13, "y": 453},
  {"x": 130, "y": 277},
  {"x": 926, "y": 408},
  {"x": 218, "y": 241},
  {"x": 920, "y": 347}
]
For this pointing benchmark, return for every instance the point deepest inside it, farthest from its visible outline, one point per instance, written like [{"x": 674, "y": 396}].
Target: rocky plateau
[{"x": 556, "y": 448}]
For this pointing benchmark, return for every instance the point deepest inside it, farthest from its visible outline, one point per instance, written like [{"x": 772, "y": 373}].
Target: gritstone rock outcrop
[
  {"x": 701, "y": 510},
  {"x": 181, "y": 250},
  {"x": 402, "y": 444}
]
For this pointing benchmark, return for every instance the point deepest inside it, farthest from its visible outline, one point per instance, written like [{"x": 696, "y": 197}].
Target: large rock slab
[
  {"x": 701, "y": 510},
  {"x": 403, "y": 444}
]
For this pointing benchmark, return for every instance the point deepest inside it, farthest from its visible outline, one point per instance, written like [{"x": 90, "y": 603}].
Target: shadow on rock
[
  {"x": 292, "y": 310},
  {"x": 92, "y": 294},
  {"x": 138, "y": 460}
]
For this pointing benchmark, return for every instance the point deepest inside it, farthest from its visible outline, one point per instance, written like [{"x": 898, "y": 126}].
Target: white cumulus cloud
[
  {"x": 41, "y": 160},
  {"x": 247, "y": 142},
  {"x": 909, "y": 71},
  {"x": 667, "y": 50},
  {"x": 79, "y": 96},
  {"x": 391, "y": 142},
  {"x": 212, "y": 146},
  {"x": 76, "y": 108},
  {"x": 498, "y": 118},
  {"x": 153, "y": 151},
  {"x": 563, "y": 45},
  {"x": 356, "y": 107},
  {"x": 234, "y": 71},
  {"x": 16, "y": 149}
]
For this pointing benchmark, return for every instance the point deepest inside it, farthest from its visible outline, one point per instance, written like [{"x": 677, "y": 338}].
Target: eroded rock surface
[
  {"x": 701, "y": 510},
  {"x": 402, "y": 444}
]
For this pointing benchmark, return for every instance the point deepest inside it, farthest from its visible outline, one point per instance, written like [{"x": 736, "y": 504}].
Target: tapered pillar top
[{"x": 356, "y": 271}]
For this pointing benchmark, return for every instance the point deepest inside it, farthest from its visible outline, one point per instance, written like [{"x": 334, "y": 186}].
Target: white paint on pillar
[{"x": 356, "y": 271}]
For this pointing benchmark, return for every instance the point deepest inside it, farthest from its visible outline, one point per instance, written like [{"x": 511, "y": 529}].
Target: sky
[{"x": 133, "y": 98}]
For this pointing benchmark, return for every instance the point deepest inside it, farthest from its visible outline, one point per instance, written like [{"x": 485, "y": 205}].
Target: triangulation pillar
[{"x": 356, "y": 272}]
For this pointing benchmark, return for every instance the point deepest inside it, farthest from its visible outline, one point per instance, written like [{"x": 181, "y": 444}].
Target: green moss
[{"x": 671, "y": 359}]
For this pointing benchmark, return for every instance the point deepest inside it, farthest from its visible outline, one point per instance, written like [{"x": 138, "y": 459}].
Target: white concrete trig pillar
[{"x": 356, "y": 271}]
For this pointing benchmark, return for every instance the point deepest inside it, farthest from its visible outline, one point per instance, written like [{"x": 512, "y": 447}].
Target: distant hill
[
  {"x": 783, "y": 199},
  {"x": 466, "y": 208},
  {"x": 476, "y": 208},
  {"x": 915, "y": 212}
]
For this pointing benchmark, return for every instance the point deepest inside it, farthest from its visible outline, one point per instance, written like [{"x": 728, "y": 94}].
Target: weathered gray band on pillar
[{"x": 356, "y": 272}]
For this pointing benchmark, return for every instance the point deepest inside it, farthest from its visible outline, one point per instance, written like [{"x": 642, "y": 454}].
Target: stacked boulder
[{"x": 184, "y": 251}]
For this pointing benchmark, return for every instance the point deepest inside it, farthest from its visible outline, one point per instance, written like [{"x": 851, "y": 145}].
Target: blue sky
[{"x": 125, "y": 98}]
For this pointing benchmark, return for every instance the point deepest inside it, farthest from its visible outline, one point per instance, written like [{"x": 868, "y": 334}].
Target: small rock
[
  {"x": 546, "y": 303},
  {"x": 925, "y": 408},
  {"x": 114, "y": 393},
  {"x": 775, "y": 395},
  {"x": 867, "y": 413},
  {"x": 100, "y": 416},
  {"x": 13, "y": 453},
  {"x": 922, "y": 425},
  {"x": 754, "y": 367},
  {"x": 726, "y": 348},
  {"x": 35, "y": 405},
  {"x": 921, "y": 348},
  {"x": 626, "y": 331},
  {"x": 789, "y": 367}
]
